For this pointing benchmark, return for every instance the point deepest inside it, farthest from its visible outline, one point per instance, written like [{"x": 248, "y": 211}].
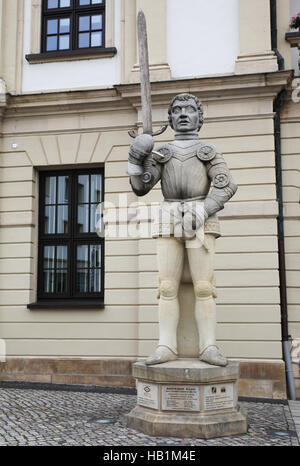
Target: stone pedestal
[{"x": 187, "y": 398}]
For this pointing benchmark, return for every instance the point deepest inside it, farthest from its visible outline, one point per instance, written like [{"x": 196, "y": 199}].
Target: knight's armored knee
[
  {"x": 204, "y": 290},
  {"x": 168, "y": 289}
]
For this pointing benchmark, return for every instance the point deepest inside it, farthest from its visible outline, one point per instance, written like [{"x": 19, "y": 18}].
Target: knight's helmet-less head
[{"x": 184, "y": 97}]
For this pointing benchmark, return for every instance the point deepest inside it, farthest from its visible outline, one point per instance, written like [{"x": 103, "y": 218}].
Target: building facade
[{"x": 77, "y": 308}]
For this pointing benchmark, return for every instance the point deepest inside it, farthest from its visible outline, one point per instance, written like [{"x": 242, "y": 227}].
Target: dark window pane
[
  {"x": 82, "y": 280},
  {"x": 62, "y": 219},
  {"x": 64, "y": 42},
  {"x": 61, "y": 257},
  {"x": 49, "y": 257},
  {"x": 65, "y": 3},
  {"x": 84, "y": 2},
  {"x": 61, "y": 281},
  {"x": 95, "y": 280},
  {"x": 50, "y": 190},
  {"x": 95, "y": 188},
  {"x": 52, "y": 26},
  {"x": 83, "y": 189},
  {"x": 84, "y": 23},
  {"x": 96, "y": 22},
  {"x": 50, "y": 219},
  {"x": 49, "y": 281},
  {"x": 96, "y": 39},
  {"x": 83, "y": 218},
  {"x": 51, "y": 43},
  {"x": 63, "y": 189},
  {"x": 95, "y": 220},
  {"x": 95, "y": 255},
  {"x": 64, "y": 25},
  {"x": 52, "y": 4},
  {"x": 82, "y": 256},
  {"x": 84, "y": 40}
]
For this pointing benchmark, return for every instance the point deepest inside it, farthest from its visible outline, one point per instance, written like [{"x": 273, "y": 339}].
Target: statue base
[{"x": 187, "y": 398}]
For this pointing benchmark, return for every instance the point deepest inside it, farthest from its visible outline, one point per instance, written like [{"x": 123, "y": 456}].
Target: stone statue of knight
[{"x": 186, "y": 167}]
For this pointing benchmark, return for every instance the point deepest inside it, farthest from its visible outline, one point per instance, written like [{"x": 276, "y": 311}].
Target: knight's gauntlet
[{"x": 140, "y": 148}]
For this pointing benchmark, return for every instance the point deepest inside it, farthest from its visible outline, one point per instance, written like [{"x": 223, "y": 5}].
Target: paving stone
[{"x": 40, "y": 417}]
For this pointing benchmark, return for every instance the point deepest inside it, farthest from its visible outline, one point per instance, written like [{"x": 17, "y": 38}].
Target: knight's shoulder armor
[
  {"x": 167, "y": 152},
  {"x": 206, "y": 151}
]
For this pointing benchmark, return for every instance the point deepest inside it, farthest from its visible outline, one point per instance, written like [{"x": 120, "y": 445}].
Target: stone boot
[
  {"x": 212, "y": 355},
  {"x": 160, "y": 355}
]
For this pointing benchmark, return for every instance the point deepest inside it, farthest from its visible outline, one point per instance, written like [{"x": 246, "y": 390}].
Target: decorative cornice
[
  {"x": 65, "y": 101},
  {"x": 127, "y": 96}
]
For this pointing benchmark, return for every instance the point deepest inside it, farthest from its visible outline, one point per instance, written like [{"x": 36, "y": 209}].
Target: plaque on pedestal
[{"x": 187, "y": 398}]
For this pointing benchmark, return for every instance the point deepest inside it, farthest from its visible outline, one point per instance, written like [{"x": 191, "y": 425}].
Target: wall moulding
[
  {"x": 256, "y": 62},
  {"x": 229, "y": 97},
  {"x": 73, "y": 101},
  {"x": 158, "y": 72},
  {"x": 221, "y": 87}
]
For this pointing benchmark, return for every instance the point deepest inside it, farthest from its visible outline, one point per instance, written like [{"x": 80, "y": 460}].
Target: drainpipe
[
  {"x": 280, "y": 219},
  {"x": 273, "y": 13},
  {"x": 281, "y": 250}
]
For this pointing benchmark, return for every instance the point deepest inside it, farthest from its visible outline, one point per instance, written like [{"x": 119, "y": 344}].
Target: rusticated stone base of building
[
  {"x": 257, "y": 379},
  {"x": 102, "y": 372},
  {"x": 262, "y": 380}
]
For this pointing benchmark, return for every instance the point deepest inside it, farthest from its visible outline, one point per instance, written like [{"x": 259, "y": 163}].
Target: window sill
[
  {"x": 70, "y": 304},
  {"x": 70, "y": 55},
  {"x": 293, "y": 38}
]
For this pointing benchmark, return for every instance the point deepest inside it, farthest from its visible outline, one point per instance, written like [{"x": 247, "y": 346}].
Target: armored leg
[
  {"x": 202, "y": 272},
  {"x": 170, "y": 254}
]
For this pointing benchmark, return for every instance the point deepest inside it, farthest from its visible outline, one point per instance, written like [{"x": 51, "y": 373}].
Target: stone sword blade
[
  {"x": 145, "y": 79},
  {"x": 144, "y": 73}
]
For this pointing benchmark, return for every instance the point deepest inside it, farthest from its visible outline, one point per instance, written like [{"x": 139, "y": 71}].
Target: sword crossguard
[{"x": 161, "y": 130}]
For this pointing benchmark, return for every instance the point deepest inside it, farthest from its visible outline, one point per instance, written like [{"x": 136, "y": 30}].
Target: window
[
  {"x": 66, "y": 30},
  {"x": 71, "y": 252},
  {"x": 73, "y": 25}
]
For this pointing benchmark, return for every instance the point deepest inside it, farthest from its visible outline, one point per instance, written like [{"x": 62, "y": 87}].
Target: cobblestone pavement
[
  {"x": 295, "y": 411},
  {"x": 39, "y": 417}
]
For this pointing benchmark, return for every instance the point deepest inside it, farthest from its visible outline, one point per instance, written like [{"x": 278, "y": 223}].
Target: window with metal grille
[
  {"x": 73, "y": 25},
  {"x": 71, "y": 247}
]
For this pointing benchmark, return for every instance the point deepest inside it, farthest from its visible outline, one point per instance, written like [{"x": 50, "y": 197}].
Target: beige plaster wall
[
  {"x": 290, "y": 119},
  {"x": 283, "y": 20},
  {"x": 255, "y": 54},
  {"x": 90, "y": 127},
  {"x": 290, "y": 128},
  {"x": 11, "y": 45},
  {"x": 81, "y": 133}
]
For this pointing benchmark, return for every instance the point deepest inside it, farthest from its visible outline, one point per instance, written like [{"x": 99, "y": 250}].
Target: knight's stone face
[{"x": 185, "y": 116}]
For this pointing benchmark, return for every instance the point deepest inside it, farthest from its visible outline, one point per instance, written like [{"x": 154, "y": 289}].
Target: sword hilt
[
  {"x": 161, "y": 130},
  {"x": 147, "y": 176}
]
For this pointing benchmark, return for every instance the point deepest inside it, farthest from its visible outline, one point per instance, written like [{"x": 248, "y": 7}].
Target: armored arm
[
  {"x": 139, "y": 187},
  {"x": 223, "y": 187}
]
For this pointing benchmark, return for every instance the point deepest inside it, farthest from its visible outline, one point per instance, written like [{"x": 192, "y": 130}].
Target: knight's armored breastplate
[{"x": 184, "y": 175}]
